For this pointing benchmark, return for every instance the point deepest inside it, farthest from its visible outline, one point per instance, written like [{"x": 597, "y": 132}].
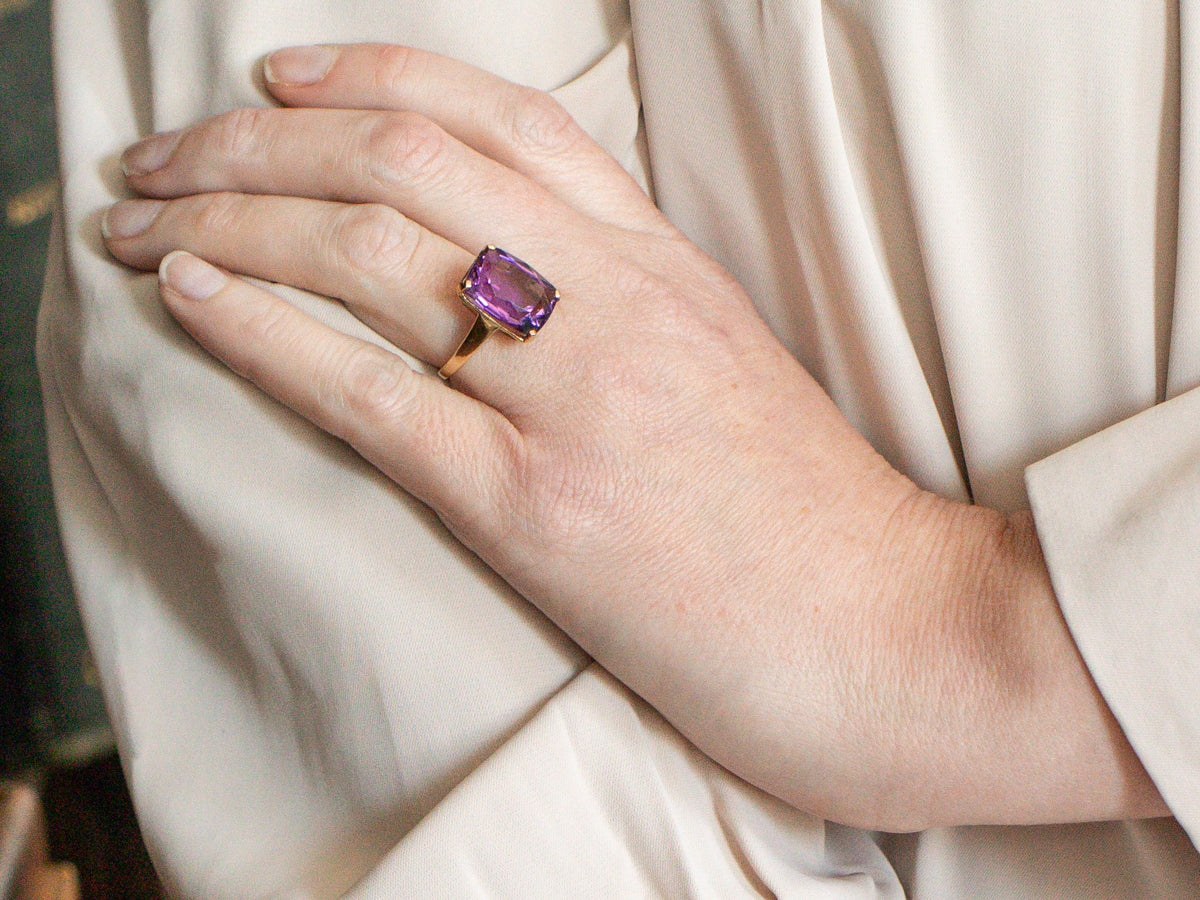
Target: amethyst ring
[{"x": 506, "y": 295}]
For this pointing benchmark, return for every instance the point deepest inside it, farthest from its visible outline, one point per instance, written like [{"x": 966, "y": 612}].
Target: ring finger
[{"x": 391, "y": 273}]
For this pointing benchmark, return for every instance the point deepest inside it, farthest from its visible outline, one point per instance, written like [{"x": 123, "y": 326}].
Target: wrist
[
  {"x": 938, "y": 564},
  {"x": 1016, "y": 732}
]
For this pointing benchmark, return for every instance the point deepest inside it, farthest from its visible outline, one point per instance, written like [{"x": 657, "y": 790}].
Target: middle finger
[{"x": 401, "y": 159}]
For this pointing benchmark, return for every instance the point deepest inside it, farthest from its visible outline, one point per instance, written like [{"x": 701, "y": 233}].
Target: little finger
[{"x": 441, "y": 446}]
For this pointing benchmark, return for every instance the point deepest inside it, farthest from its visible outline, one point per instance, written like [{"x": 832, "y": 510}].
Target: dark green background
[{"x": 50, "y": 708}]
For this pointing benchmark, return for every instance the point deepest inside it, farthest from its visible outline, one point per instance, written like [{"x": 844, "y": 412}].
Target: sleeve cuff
[{"x": 1118, "y": 516}]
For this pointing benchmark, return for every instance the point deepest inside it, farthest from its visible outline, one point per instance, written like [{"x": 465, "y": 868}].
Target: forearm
[
  {"x": 967, "y": 701},
  {"x": 918, "y": 673}
]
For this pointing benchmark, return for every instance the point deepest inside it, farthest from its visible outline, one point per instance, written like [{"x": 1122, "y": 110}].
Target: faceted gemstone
[{"x": 509, "y": 292}]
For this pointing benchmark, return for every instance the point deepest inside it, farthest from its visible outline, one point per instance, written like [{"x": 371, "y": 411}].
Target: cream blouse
[{"x": 974, "y": 222}]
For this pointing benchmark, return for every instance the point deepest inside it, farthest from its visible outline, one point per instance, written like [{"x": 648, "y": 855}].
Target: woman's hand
[{"x": 653, "y": 470}]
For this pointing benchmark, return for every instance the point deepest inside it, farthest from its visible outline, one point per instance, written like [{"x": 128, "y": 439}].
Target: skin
[{"x": 685, "y": 502}]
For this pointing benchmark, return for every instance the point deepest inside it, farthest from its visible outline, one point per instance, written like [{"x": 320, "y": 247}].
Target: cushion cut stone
[{"x": 509, "y": 292}]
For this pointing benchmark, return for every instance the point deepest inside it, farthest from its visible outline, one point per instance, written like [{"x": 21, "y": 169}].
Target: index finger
[{"x": 519, "y": 127}]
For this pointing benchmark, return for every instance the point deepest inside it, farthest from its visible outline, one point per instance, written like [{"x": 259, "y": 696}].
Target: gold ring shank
[{"x": 480, "y": 332}]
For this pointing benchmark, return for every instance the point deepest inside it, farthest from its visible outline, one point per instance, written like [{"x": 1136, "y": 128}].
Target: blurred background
[{"x": 53, "y": 732}]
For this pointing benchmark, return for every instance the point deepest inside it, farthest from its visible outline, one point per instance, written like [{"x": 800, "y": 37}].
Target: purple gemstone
[{"x": 509, "y": 292}]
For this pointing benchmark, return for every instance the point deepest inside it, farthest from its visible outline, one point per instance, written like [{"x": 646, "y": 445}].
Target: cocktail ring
[{"x": 506, "y": 295}]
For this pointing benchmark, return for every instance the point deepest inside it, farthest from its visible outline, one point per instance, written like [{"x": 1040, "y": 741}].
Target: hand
[{"x": 653, "y": 470}]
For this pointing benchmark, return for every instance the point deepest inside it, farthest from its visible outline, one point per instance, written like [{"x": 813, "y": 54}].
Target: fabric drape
[{"x": 961, "y": 217}]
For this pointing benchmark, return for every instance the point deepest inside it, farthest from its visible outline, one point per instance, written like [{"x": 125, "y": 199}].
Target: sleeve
[{"x": 1118, "y": 515}]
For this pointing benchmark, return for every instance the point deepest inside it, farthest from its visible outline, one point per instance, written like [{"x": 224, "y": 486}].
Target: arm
[{"x": 689, "y": 505}]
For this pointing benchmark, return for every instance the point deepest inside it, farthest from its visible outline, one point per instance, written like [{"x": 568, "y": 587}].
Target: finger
[
  {"x": 401, "y": 159},
  {"x": 446, "y": 449},
  {"x": 397, "y": 277},
  {"x": 522, "y": 128},
  {"x": 394, "y": 275}
]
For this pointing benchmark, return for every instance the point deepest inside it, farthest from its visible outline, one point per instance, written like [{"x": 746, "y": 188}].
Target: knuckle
[
  {"x": 394, "y": 66},
  {"x": 404, "y": 146},
  {"x": 539, "y": 123},
  {"x": 239, "y": 133},
  {"x": 373, "y": 387},
  {"x": 687, "y": 324},
  {"x": 374, "y": 240},
  {"x": 493, "y": 517},
  {"x": 218, "y": 213},
  {"x": 576, "y": 500},
  {"x": 665, "y": 308},
  {"x": 267, "y": 326},
  {"x": 696, "y": 311}
]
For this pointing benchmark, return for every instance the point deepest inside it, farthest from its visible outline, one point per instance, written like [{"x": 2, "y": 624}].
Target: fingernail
[
  {"x": 190, "y": 276},
  {"x": 149, "y": 155},
  {"x": 129, "y": 218},
  {"x": 299, "y": 65}
]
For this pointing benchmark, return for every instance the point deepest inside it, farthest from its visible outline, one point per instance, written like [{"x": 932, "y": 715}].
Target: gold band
[{"x": 480, "y": 332}]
